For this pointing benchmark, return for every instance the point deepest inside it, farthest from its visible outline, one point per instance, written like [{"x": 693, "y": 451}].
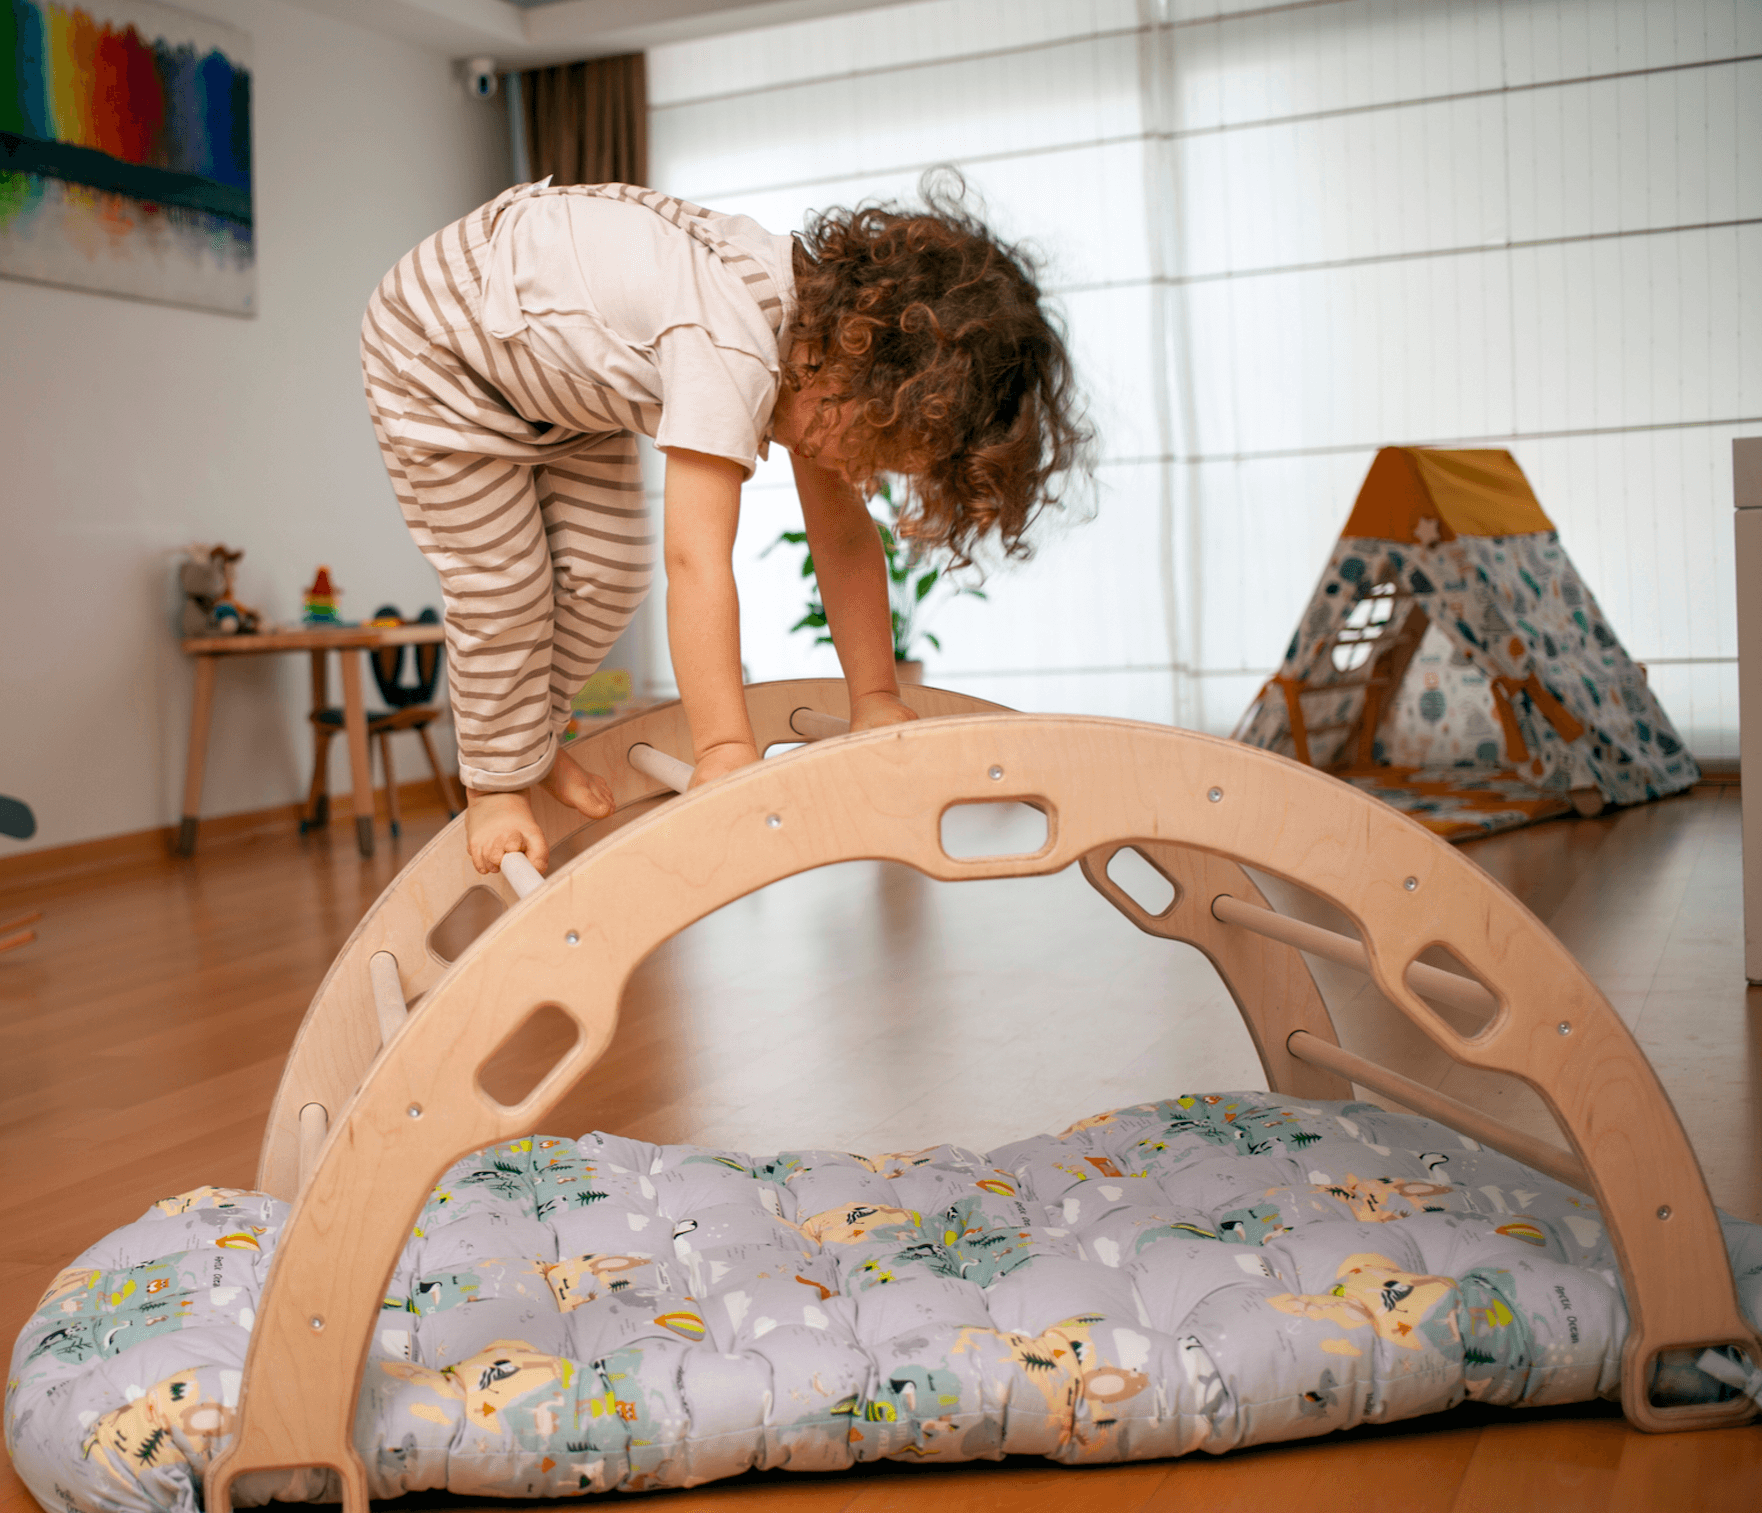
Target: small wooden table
[{"x": 318, "y": 640}]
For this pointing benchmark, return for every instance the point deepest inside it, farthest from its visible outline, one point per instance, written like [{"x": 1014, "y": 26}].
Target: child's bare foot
[
  {"x": 586, "y": 792},
  {"x": 497, "y": 823}
]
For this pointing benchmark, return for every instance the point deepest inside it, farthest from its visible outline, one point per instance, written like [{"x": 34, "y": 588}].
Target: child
[{"x": 512, "y": 358}]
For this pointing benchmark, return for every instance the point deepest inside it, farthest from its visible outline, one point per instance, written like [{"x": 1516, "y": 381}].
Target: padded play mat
[
  {"x": 575, "y": 1316},
  {"x": 1461, "y": 803}
]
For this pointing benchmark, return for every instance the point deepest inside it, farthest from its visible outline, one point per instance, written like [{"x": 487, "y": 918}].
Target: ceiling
[{"x": 531, "y": 33}]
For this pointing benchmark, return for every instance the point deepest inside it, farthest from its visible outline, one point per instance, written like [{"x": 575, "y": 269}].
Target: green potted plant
[{"x": 912, "y": 577}]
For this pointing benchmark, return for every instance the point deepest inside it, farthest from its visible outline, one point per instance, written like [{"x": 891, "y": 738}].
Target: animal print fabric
[{"x": 575, "y": 1316}]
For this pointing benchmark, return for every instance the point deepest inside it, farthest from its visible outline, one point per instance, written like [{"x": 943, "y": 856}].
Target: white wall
[
  {"x": 1285, "y": 235},
  {"x": 129, "y": 430}
]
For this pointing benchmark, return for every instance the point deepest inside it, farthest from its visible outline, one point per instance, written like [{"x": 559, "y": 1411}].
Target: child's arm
[
  {"x": 703, "y": 609},
  {"x": 852, "y": 573}
]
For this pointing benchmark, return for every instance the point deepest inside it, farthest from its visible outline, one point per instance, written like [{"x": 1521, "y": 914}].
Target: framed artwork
[{"x": 125, "y": 152}]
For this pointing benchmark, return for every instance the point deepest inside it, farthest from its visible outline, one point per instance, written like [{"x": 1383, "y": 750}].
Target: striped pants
[
  {"x": 520, "y": 484},
  {"x": 541, "y": 569}
]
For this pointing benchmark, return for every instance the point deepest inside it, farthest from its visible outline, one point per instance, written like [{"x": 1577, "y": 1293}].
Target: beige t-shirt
[{"x": 612, "y": 291}]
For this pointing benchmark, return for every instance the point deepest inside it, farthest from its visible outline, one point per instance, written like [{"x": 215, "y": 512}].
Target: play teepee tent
[{"x": 1453, "y": 663}]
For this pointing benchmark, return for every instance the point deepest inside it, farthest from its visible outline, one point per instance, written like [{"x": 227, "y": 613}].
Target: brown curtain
[{"x": 588, "y": 123}]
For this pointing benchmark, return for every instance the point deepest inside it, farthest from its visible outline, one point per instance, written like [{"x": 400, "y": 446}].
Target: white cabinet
[{"x": 1746, "y": 457}]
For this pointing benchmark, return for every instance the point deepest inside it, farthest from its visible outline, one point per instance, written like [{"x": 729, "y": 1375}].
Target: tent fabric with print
[{"x": 1452, "y": 661}]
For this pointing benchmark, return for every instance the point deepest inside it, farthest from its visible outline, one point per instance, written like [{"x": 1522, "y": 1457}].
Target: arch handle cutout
[
  {"x": 989, "y": 829},
  {"x": 527, "y": 1055},
  {"x": 477, "y": 909},
  {"x": 1142, "y": 881}
]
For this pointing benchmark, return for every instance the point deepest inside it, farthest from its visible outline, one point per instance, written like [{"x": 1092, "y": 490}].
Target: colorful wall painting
[{"x": 125, "y": 152}]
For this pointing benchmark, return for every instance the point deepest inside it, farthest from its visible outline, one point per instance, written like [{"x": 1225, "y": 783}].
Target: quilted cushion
[{"x": 581, "y": 1315}]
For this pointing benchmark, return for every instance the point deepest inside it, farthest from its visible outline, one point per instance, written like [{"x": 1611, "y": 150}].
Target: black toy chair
[
  {"x": 17, "y": 821},
  {"x": 408, "y": 707}
]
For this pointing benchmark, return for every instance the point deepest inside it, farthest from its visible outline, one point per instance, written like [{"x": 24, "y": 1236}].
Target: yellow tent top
[{"x": 1480, "y": 493}]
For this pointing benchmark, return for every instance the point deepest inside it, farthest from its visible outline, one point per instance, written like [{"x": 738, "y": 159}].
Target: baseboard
[
  {"x": 58, "y": 863},
  {"x": 1719, "y": 772}
]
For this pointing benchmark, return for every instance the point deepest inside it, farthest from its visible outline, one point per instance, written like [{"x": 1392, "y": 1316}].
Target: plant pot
[{"x": 909, "y": 672}]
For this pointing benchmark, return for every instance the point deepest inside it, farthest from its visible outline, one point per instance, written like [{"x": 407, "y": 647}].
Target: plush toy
[{"x": 210, "y": 609}]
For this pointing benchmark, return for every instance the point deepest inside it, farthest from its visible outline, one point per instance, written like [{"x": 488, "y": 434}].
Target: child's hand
[
  {"x": 873, "y": 710},
  {"x": 721, "y": 760},
  {"x": 497, "y": 823},
  {"x": 586, "y": 792}
]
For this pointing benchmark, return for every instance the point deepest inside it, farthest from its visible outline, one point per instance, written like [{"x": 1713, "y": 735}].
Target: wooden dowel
[
  {"x": 1429, "y": 982},
  {"x": 388, "y": 993},
  {"x": 522, "y": 876},
  {"x": 1561, "y": 1165},
  {"x": 314, "y": 1126},
  {"x": 811, "y": 725},
  {"x": 661, "y": 767}
]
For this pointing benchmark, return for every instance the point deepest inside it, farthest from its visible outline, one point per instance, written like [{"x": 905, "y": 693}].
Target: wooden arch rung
[
  {"x": 1428, "y": 981},
  {"x": 388, "y": 992},
  {"x": 812, "y": 725},
  {"x": 1461, "y": 1117},
  {"x": 314, "y": 1126},
  {"x": 522, "y": 876},
  {"x": 661, "y": 767},
  {"x": 809, "y": 724}
]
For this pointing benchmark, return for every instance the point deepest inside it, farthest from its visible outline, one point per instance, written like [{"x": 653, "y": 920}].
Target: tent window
[{"x": 1367, "y": 621}]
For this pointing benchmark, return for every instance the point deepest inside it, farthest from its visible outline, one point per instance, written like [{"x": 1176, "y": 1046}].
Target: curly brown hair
[{"x": 961, "y": 379}]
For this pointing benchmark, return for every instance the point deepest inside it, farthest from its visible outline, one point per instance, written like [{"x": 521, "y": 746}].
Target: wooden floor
[{"x": 866, "y": 1007}]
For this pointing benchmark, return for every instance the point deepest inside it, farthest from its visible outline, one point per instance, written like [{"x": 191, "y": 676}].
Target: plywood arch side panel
[
  {"x": 881, "y": 795},
  {"x": 339, "y": 1037},
  {"x": 1270, "y": 983}
]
